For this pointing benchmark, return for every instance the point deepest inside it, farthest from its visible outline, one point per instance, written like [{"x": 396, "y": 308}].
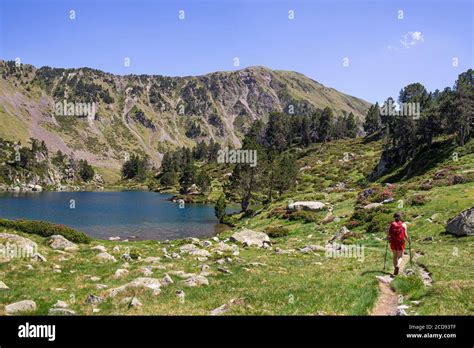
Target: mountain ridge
[{"x": 152, "y": 113}]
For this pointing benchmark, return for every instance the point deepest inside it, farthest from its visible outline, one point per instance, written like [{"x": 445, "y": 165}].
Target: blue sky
[{"x": 385, "y": 53}]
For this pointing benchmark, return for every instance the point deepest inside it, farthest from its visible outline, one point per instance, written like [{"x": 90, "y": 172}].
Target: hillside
[
  {"x": 150, "y": 114},
  {"x": 220, "y": 276}
]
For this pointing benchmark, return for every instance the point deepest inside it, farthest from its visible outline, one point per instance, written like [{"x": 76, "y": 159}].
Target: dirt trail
[{"x": 387, "y": 301}]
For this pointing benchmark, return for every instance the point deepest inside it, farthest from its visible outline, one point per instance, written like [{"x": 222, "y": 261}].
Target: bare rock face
[
  {"x": 20, "y": 307},
  {"x": 462, "y": 224},
  {"x": 58, "y": 242},
  {"x": 251, "y": 238},
  {"x": 307, "y": 205}
]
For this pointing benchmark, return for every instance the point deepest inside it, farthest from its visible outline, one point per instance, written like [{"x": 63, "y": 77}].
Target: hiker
[{"x": 397, "y": 234}]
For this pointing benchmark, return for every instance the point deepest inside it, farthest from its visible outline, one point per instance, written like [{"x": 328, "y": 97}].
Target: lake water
[{"x": 146, "y": 215}]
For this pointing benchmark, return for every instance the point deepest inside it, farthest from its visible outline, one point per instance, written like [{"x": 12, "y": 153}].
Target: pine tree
[
  {"x": 373, "y": 122},
  {"x": 219, "y": 208}
]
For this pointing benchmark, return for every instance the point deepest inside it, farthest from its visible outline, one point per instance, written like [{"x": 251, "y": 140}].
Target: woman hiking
[{"x": 397, "y": 234}]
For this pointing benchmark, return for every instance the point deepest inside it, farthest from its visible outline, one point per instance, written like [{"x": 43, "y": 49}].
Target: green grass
[{"x": 289, "y": 284}]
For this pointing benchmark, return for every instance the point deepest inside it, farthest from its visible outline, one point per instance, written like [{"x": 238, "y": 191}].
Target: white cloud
[{"x": 411, "y": 39}]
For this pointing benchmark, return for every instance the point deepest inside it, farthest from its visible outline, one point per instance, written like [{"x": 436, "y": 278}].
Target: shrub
[
  {"x": 379, "y": 223},
  {"x": 418, "y": 200},
  {"x": 277, "y": 231},
  {"x": 134, "y": 254},
  {"x": 353, "y": 223},
  {"x": 46, "y": 229},
  {"x": 306, "y": 216}
]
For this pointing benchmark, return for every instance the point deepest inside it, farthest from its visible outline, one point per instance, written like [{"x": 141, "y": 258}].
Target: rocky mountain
[{"x": 104, "y": 118}]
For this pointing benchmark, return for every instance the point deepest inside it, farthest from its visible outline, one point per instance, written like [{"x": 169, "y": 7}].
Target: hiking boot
[{"x": 395, "y": 272}]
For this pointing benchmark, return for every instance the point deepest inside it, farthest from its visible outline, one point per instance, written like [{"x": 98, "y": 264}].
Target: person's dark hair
[{"x": 397, "y": 215}]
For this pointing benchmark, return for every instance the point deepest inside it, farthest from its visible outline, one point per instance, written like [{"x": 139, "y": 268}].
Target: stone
[
  {"x": 224, "y": 270},
  {"x": 401, "y": 312},
  {"x": 372, "y": 206},
  {"x": 200, "y": 253},
  {"x": 226, "y": 307},
  {"x": 139, "y": 283},
  {"x": 119, "y": 273},
  {"x": 385, "y": 279},
  {"x": 462, "y": 224},
  {"x": 93, "y": 299},
  {"x": 20, "y": 307},
  {"x": 100, "y": 248},
  {"x": 61, "y": 304},
  {"x": 38, "y": 257},
  {"x": 186, "y": 248},
  {"x": 343, "y": 232},
  {"x": 58, "y": 242},
  {"x": 105, "y": 257},
  {"x": 116, "y": 249},
  {"x": 29, "y": 267},
  {"x": 196, "y": 280},
  {"x": 3, "y": 286},
  {"x": 94, "y": 278},
  {"x": 101, "y": 286},
  {"x": 166, "y": 280},
  {"x": 205, "y": 243},
  {"x": 61, "y": 311},
  {"x": 114, "y": 238},
  {"x": 131, "y": 302},
  {"x": 152, "y": 259},
  {"x": 146, "y": 271},
  {"x": 306, "y": 205},
  {"x": 26, "y": 245},
  {"x": 251, "y": 238},
  {"x": 180, "y": 295}
]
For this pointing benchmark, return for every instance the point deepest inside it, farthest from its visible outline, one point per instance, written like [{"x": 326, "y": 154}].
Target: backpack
[{"x": 397, "y": 231}]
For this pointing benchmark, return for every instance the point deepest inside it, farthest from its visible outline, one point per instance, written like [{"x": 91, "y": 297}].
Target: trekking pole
[
  {"x": 385, "y": 259},
  {"x": 409, "y": 250}
]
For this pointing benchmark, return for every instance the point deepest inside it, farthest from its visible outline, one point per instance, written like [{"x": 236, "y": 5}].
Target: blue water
[{"x": 127, "y": 214}]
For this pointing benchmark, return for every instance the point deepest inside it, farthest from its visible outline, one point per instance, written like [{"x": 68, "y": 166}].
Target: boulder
[
  {"x": 152, "y": 259},
  {"x": 200, "y": 253},
  {"x": 462, "y": 224},
  {"x": 26, "y": 245},
  {"x": 139, "y": 283},
  {"x": 61, "y": 311},
  {"x": 38, "y": 257},
  {"x": 20, "y": 307},
  {"x": 372, "y": 205},
  {"x": 3, "y": 286},
  {"x": 120, "y": 273},
  {"x": 343, "y": 232},
  {"x": 131, "y": 302},
  {"x": 58, "y": 242},
  {"x": 104, "y": 257},
  {"x": 226, "y": 307},
  {"x": 100, "y": 248},
  {"x": 166, "y": 280},
  {"x": 249, "y": 238},
  {"x": 195, "y": 280},
  {"x": 93, "y": 299},
  {"x": 306, "y": 205}
]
